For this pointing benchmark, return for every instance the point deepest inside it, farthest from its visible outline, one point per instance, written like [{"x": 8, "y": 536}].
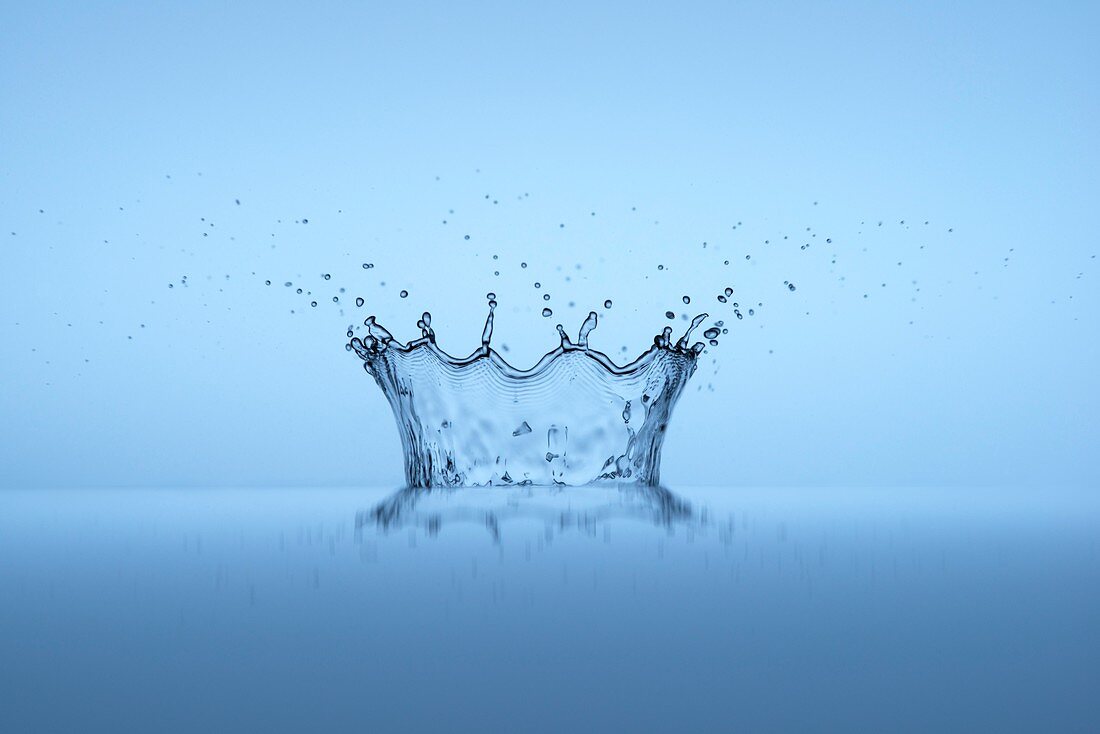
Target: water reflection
[
  {"x": 314, "y": 608},
  {"x": 584, "y": 509}
]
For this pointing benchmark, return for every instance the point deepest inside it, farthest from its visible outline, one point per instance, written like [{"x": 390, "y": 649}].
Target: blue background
[
  {"x": 926, "y": 174},
  {"x": 134, "y": 127}
]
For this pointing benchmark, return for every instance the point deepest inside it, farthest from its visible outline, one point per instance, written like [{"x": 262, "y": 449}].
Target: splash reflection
[{"x": 584, "y": 509}]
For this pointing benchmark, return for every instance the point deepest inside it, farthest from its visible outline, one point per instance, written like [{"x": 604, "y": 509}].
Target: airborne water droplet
[{"x": 547, "y": 313}]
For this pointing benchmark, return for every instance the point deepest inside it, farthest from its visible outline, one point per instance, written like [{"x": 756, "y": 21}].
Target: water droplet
[
  {"x": 729, "y": 291},
  {"x": 711, "y": 333},
  {"x": 404, "y": 294},
  {"x": 368, "y": 266},
  {"x": 687, "y": 300},
  {"x": 313, "y": 303},
  {"x": 490, "y": 296},
  {"x": 359, "y": 302},
  {"x": 669, "y": 315},
  {"x": 607, "y": 303},
  {"x": 547, "y": 313},
  {"x": 328, "y": 276}
]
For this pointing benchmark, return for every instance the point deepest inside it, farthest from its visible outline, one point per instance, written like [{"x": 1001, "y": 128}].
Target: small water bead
[
  {"x": 336, "y": 299},
  {"x": 466, "y": 237},
  {"x": 790, "y": 286},
  {"x": 607, "y": 303},
  {"x": 523, "y": 265},
  {"x": 327, "y": 276},
  {"x": 687, "y": 300},
  {"x": 714, "y": 342},
  {"x": 313, "y": 303},
  {"x": 711, "y": 333},
  {"x": 538, "y": 284},
  {"x": 751, "y": 312},
  {"x": 660, "y": 267},
  {"x": 287, "y": 284},
  {"x": 748, "y": 257},
  {"x": 728, "y": 292},
  {"x": 547, "y": 313},
  {"x": 267, "y": 282},
  {"x": 368, "y": 266},
  {"x": 721, "y": 298},
  {"x": 490, "y": 296},
  {"x": 299, "y": 291},
  {"x": 669, "y": 315},
  {"x": 725, "y": 262},
  {"x": 404, "y": 294},
  {"x": 359, "y": 302},
  {"x": 546, "y": 296}
]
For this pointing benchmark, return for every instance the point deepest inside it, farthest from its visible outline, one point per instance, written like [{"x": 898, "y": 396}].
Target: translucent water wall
[{"x": 574, "y": 418}]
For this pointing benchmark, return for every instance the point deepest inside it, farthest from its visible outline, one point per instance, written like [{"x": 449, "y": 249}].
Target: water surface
[{"x": 697, "y": 609}]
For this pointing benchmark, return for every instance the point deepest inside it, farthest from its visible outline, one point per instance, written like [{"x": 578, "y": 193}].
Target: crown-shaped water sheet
[{"x": 574, "y": 418}]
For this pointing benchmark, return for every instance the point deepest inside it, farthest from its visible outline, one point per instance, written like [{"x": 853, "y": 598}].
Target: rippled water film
[{"x": 574, "y": 418}]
